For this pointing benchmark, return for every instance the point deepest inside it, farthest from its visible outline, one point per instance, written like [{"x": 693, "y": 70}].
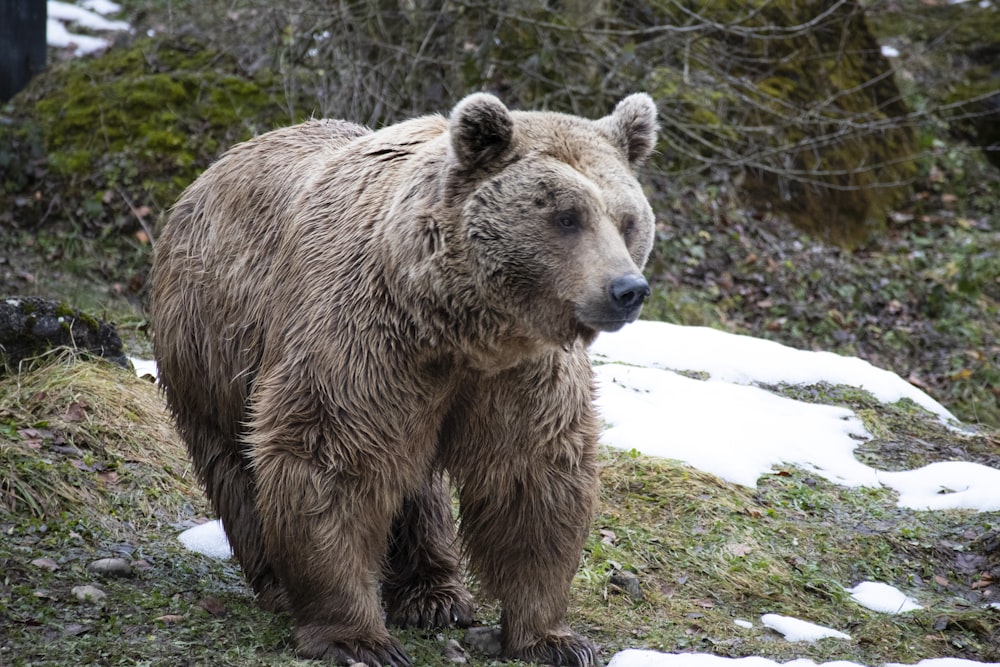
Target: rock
[
  {"x": 46, "y": 564},
  {"x": 141, "y": 565},
  {"x": 89, "y": 593},
  {"x": 113, "y": 567},
  {"x": 31, "y": 326},
  {"x": 453, "y": 652},
  {"x": 485, "y": 639},
  {"x": 75, "y": 630},
  {"x": 628, "y": 582}
]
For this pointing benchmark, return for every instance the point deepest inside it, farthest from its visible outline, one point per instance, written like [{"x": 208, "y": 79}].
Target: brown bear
[{"x": 346, "y": 321}]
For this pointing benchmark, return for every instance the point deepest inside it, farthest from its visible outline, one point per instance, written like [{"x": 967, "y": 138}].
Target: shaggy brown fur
[{"x": 342, "y": 315}]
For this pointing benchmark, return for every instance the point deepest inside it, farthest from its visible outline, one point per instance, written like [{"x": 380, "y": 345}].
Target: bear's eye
[
  {"x": 628, "y": 226},
  {"x": 568, "y": 220}
]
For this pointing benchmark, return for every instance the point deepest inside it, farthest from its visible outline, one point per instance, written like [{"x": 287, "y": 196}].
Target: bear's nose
[{"x": 628, "y": 292}]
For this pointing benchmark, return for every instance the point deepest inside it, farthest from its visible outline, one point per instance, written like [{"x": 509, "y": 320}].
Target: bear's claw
[
  {"x": 313, "y": 641},
  {"x": 444, "y": 607},
  {"x": 562, "y": 650}
]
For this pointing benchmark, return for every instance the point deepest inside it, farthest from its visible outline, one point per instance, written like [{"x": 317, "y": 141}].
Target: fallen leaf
[
  {"x": 75, "y": 629},
  {"x": 607, "y": 536},
  {"x": 32, "y": 437},
  {"x": 739, "y": 550},
  {"x": 169, "y": 618},
  {"x": 213, "y": 606},
  {"x": 75, "y": 411},
  {"x": 941, "y": 581},
  {"x": 109, "y": 477}
]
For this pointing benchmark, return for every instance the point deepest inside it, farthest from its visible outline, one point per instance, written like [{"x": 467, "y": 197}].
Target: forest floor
[
  {"x": 92, "y": 470},
  {"x": 90, "y": 467}
]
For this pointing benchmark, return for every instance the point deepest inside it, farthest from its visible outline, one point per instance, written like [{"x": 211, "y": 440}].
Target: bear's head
[{"x": 558, "y": 227}]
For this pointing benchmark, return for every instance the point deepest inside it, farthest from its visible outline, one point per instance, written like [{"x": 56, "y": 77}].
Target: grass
[{"x": 704, "y": 552}]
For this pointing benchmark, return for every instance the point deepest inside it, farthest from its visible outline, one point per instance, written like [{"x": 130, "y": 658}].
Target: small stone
[
  {"x": 112, "y": 567},
  {"x": 213, "y": 606},
  {"x": 628, "y": 582},
  {"x": 453, "y": 652},
  {"x": 89, "y": 593},
  {"x": 141, "y": 565},
  {"x": 485, "y": 639},
  {"x": 46, "y": 564},
  {"x": 75, "y": 629}
]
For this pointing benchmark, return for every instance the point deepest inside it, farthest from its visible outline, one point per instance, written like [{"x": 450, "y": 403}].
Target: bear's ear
[
  {"x": 632, "y": 127},
  {"x": 481, "y": 129}
]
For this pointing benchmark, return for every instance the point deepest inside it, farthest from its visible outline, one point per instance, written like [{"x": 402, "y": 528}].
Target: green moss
[
  {"x": 63, "y": 309},
  {"x": 129, "y": 130},
  {"x": 777, "y": 105}
]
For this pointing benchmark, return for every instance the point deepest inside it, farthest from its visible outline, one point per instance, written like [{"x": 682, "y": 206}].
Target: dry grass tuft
[{"x": 88, "y": 437}]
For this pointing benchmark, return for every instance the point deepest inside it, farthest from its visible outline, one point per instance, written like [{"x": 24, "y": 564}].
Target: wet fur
[{"x": 341, "y": 316}]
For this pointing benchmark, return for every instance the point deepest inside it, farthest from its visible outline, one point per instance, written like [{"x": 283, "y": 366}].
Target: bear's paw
[
  {"x": 429, "y": 606},
  {"x": 325, "y": 642},
  {"x": 563, "y": 649}
]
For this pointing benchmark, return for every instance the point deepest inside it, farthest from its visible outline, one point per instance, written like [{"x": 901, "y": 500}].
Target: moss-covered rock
[
  {"x": 31, "y": 327},
  {"x": 103, "y": 142},
  {"x": 956, "y": 71},
  {"x": 802, "y": 103}
]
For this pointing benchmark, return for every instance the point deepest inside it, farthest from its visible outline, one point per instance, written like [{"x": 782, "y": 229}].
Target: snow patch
[
  {"x": 207, "y": 538},
  {"x": 882, "y": 597},
  {"x": 797, "y": 630},
  {"x": 89, "y": 15},
  {"x": 746, "y": 360}
]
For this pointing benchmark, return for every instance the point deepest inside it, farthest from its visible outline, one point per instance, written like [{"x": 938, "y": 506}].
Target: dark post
[{"x": 22, "y": 44}]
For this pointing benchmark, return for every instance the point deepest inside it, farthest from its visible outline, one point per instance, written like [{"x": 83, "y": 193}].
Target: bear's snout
[
  {"x": 614, "y": 306},
  {"x": 628, "y": 292}
]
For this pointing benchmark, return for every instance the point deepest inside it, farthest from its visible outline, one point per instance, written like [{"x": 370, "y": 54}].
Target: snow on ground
[
  {"x": 729, "y": 426},
  {"x": 143, "y": 366},
  {"x": 208, "y": 539},
  {"x": 745, "y": 360},
  {"x": 797, "y": 630},
  {"x": 643, "y": 658},
  {"x": 88, "y": 14},
  {"x": 735, "y": 430},
  {"x": 882, "y": 597}
]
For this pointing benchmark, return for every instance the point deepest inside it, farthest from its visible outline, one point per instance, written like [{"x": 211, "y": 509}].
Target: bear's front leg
[
  {"x": 325, "y": 533},
  {"x": 524, "y": 539},
  {"x": 423, "y": 581},
  {"x": 522, "y": 450}
]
